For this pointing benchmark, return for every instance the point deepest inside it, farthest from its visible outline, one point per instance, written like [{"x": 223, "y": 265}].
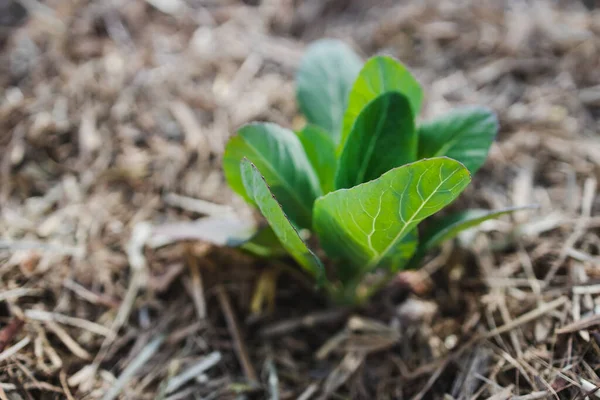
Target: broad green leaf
[
  {"x": 327, "y": 72},
  {"x": 406, "y": 248},
  {"x": 320, "y": 149},
  {"x": 280, "y": 156},
  {"x": 464, "y": 134},
  {"x": 451, "y": 225},
  {"x": 382, "y": 138},
  {"x": 367, "y": 224},
  {"x": 381, "y": 74},
  {"x": 258, "y": 190}
]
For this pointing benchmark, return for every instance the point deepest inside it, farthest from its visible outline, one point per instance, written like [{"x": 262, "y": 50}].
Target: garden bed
[{"x": 113, "y": 119}]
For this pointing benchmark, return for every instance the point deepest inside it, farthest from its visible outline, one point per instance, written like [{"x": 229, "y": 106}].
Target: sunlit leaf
[
  {"x": 379, "y": 75},
  {"x": 281, "y": 158},
  {"x": 259, "y": 192},
  {"x": 383, "y": 137},
  {"x": 464, "y": 134},
  {"x": 320, "y": 150},
  {"x": 325, "y": 77},
  {"x": 367, "y": 224}
]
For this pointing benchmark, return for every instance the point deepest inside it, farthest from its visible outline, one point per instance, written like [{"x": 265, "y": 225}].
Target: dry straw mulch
[{"x": 113, "y": 118}]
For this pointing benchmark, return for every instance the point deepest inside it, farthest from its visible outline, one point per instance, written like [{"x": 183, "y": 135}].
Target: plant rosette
[{"x": 362, "y": 175}]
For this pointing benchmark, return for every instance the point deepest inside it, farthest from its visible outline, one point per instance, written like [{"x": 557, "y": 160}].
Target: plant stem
[{"x": 376, "y": 287}]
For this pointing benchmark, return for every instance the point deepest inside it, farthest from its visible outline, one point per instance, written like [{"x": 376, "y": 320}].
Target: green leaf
[
  {"x": 325, "y": 77},
  {"x": 264, "y": 244},
  {"x": 451, "y": 225},
  {"x": 379, "y": 75},
  {"x": 320, "y": 149},
  {"x": 382, "y": 138},
  {"x": 258, "y": 190},
  {"x": 464, "y": 134},
  {"x": 367, "y": 225},
  {"x": 279, "y": 154}
]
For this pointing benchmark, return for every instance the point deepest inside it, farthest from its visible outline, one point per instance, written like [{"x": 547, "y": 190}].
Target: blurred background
[{"x": 114, "y": 114}]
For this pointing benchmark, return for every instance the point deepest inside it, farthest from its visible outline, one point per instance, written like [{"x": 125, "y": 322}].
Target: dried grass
[{"x": 113, "y": 116}]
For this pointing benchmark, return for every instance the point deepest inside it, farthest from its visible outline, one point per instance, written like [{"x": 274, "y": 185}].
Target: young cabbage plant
[{"x": 362, "y": 174}]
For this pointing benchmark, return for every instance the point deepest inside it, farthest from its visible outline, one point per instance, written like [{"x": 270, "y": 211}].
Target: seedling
[{"x": 363, "y": 173}]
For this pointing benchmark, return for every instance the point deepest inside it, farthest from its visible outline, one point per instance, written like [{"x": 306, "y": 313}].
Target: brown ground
[{"x": 107, "y": 109}]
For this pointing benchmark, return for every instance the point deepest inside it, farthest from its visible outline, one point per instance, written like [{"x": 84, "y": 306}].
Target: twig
[
  {"x": 11, "y": 351},
  {"x": 273, "y": 380},
  {"x": 589, "y": 194},
  {"x": 533, "y": 396},
  {"x": 589, "y": 289},
  {"x": 147, "y": 352},
  {"x": 40, "y": 315},
  {"x": 197, "y": 205},
  {"x": 527, "y": 317},
  {"x": 63, "y": 382},
  {"x": 307, "y": 321},
  {"x": 514, "y": 334},
  {"x": 589, "y": 388},
  {"x": 433, "y": 366},
  {"x": 340, "y": 375},
  {"x": 68, "y": 341},
  {"x": 430, "y": 382},
  {"x": 28, "y": 245},
  {"x": 194, "y": 371},
  {"x": 19, "y": 292},
  {"x": 503, "y": 394},
  {"x": 137, "y": 262},
  {"x": 88, "y": 295},
  {"x": 232, "y": 324},
  {"x": 197, "y": 286},
  {"x": 331, "y": 344},
  {"x": 185, "y": 332},
  {"x": 579, "y": 325},
  {"x": 309, "y": 392}
]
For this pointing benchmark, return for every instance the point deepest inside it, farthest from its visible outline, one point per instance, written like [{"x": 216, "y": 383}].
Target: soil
[{"x": 113, "y": 119}]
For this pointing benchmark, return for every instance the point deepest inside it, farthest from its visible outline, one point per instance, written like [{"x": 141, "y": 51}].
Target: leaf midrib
[
  {"x": 372, "y": 142},
  {"x": 310, "y": 262},
  {"x": 400, "y": 234},
  {"x": 354, "y": 115},
  {"x": 280, "y": 177}
]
